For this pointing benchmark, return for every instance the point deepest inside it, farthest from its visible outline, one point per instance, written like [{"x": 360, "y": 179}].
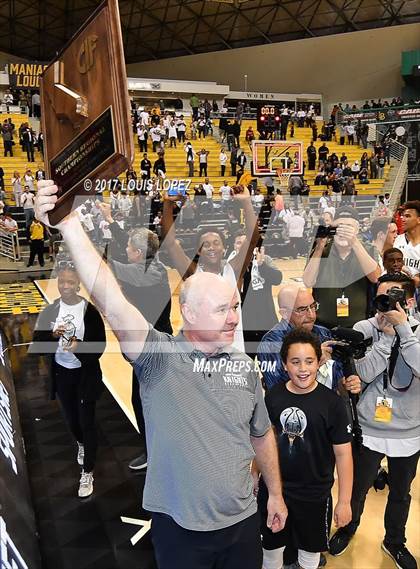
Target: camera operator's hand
[
  {"x": 320, "y": 243},
  {"x": 352, "y": 384},
  {"x": 342, "y": 514},
  {"x": 327, "y": 348},
  {"x": 383, "y": 324},
  {"x": 348, "y": 232},
  {"x": 396, "y": 317}
]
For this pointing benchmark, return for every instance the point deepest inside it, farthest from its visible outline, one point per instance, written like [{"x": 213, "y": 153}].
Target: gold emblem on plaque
[{"x": 86, "y": 58}]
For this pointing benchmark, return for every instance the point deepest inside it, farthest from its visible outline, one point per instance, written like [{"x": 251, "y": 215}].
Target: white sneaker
[
  {"x": 86, "y": 484},
  {"x": 80, "y": 454}
]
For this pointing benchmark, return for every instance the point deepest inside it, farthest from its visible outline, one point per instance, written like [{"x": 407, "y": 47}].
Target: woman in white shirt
[
  {"x": 29, "y": 179},
  {"x": 172, "y": 134},
  {"x": 223, "y": 157},
  {"x": 17, "y": 188},
  {"x": 77, "y": 329}
]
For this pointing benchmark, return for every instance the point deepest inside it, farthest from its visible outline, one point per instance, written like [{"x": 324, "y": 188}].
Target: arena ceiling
[{"x": 156, "y": 29}]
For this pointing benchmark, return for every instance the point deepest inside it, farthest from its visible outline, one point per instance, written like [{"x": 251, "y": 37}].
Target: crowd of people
[
  {"x": 362, "y": 277},
  {"x": 273, "y": 397},
  {"x": 371, "y": 105}
]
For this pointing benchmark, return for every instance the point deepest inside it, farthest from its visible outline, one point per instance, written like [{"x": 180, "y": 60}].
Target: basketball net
[{"x": 283, "y": 176}]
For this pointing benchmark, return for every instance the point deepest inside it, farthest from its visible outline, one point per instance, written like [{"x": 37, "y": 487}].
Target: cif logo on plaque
[{"x": 86, "y": 58}]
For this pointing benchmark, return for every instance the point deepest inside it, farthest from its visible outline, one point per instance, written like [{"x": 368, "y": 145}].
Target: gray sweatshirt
[{"x": 405, "y": 422}]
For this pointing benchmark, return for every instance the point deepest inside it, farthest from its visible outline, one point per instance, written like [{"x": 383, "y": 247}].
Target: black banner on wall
[
  {"x": 18, "y": 536},
  {"x": 385, "y": 115},
  {"x": 25, "y": 75}
]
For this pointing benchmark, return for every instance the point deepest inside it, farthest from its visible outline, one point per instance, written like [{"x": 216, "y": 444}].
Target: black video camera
[
  {"x": 325, "y": 231},
  {"x": 352, "y": 344},
  {"x": 387, "y": 302}
]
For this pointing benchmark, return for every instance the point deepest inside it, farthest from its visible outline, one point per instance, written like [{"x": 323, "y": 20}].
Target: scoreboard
[{"x": 268, "y": 118}]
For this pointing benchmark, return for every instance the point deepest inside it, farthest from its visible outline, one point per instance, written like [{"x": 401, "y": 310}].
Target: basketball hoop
[{"x": 283, "y": 176}]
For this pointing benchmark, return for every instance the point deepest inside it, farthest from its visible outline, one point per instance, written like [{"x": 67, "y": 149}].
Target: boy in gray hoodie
[{"x": 388, "y": 413}]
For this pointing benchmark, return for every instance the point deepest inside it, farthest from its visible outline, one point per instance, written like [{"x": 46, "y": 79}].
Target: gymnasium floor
[{"x": 90, "y": 534}]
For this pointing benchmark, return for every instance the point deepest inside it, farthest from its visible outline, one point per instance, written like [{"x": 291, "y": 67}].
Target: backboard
[{"x": 268, "y": 156}]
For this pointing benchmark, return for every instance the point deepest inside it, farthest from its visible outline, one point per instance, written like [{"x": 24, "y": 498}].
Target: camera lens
[{"x": 382, "y": 303}]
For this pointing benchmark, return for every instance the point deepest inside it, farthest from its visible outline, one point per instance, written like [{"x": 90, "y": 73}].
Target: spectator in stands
[
  {"x": 29, "y": 180},
  {"x": 71, "y": 323},
  {"x": 236, "y": 131},
  {"x": 124, "y": 204},
  {"x": 7, "y": 223},
  {"x": 36, "y": 242},
  {"x": 36, "y": 105},
  {"x": 295, "y": 188},
  {"x": 8, "y": 99},
  {"x": 250, "y": 136},
  {"x": 409, "y": 241},
  {"x": 323, "y": 152},
  {"x": 17, "y": 188},
  {"x": 241, "y": 160},
  {"x": 388, "y": 415},
  {"x": 172, "y": 134},
  {"x": 142, "y": 136},
  {"x": 278, "y": 206},
  {"x": 181, "y": 127},
  {"x": 40, "y": 173},
  {"x": 208, "y": 188},
  {"x": 40, "y": 144},
  {"x": 340, "y": 270},
  {"x": 295, "y": 228},
  {"x": 145, "y": 171},
  {"x": 349, "y": 191},
  {"x": 8, "y": 143},
  {"x": 203, "y": 161},
  {"x": 226, "y": 195},
  {"x": 311, "y": 152},
  {"x": 324, "y": 201},
  {"x": 233, "y": 160},
  {"x": 27, "y": 202},
  {"x": 381, "y": 163},
  {"x": 28, "y": 140},
  {"x": 190, "y": 158},
  {"x": 159, "y": 167},
  {"x": 223, "y": 159},
  {"x": 321, "y": 178},
  {"x": 194, "y": 104},
  {"x": 355, "y": 168},
  {"x": 373, "y": 163}
]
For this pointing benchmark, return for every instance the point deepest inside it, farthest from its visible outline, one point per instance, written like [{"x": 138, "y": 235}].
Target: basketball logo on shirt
[{"x": 293, "y": 421}]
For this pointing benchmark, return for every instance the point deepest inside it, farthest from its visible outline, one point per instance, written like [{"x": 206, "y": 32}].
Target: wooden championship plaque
[{"x": 86, "y": 118}]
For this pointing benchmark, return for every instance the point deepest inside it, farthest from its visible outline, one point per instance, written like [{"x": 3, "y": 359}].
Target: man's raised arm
[{"x": 127, "y": 322}]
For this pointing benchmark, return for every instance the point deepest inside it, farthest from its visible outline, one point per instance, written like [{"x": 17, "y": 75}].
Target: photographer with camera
[
  {"x": 340, "y": 270},
  {"x": 388, "y": 414}
]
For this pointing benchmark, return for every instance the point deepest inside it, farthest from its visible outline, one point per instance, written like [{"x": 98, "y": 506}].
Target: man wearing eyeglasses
[{"x": 298, "y": 309}]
